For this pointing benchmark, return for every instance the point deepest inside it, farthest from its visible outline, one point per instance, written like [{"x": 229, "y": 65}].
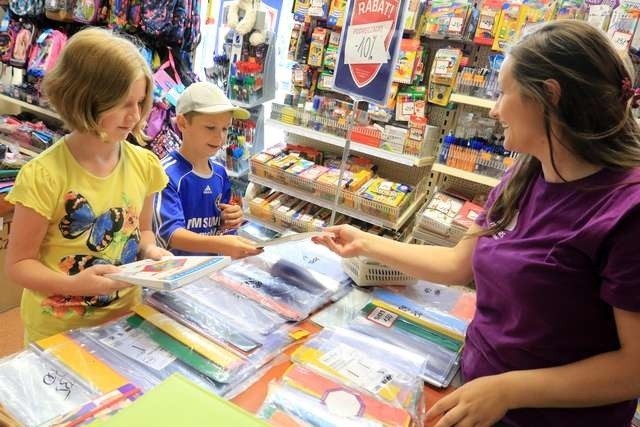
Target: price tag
[
  {"x": 455, "y": 24},
  {"x": 382, "y": 317},
  {"x": 621, "y": 40},
  {"x": 442, "y": 67},
  {"x": 486, "y": 22},
  {"x": 365, "y": 43},
  {"x": 407, "y": 108}
]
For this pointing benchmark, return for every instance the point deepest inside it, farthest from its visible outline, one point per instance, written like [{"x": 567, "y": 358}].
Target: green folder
[{"x": 178, "y": 402}]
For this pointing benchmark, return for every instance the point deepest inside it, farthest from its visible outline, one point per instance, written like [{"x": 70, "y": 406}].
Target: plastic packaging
[
  {"x": 35, "y": 389},
  {"x": 441, "y": 361},
  {"x": 342, "y": 312},
  {"x": 276, "y": 294},
  {"x": 246, "y": 315},
  {"x": 287, "y": 406},
  {"x": 390, "y": 373}
]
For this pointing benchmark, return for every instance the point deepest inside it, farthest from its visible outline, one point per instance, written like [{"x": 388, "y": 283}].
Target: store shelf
[
  {"x": 469, "y": 176},
  {"x": 308, "y": 197},
  {"x": 472, "y": 100},
  {"x": 27, "y": 151},
  {"x": 245, "y": 105},
  {"x": 337, "y": 141},
  {"x": 30, "y": 107},
  {"x": 266, "y": 224}
]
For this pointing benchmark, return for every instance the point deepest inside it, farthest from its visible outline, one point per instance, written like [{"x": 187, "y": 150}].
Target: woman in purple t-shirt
[{"x": 556, "y": 336}]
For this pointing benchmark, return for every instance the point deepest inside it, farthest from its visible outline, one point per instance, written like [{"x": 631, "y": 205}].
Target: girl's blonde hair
[
  {"x": 92, "y": 75},
  {"x": 592, "y": 118}
]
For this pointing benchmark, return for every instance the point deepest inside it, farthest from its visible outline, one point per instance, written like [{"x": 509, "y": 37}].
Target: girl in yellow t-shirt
[{"x": 84, "y": 206}]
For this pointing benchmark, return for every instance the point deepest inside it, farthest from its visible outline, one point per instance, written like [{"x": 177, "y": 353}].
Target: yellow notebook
[
  {"x": 178, "y": 402},
  {"x": 83, "y": 363}
]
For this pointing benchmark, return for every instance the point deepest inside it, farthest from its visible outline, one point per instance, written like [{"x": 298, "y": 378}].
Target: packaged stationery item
[
  {"x": 206, "y": 321},
  {"x": 442, "y": 353},
  {"x": 444, "y": 309},
  {"x": 99, "y": 408},
  {"x": 202, "y": 319},
  {"x": 342, "y": 400},
  {"x": 145, "y": 355},
  {"x": 286, "y": 406},
  {"x": 34, "y": 388},
  {"x": 286, "y": 296},
  {"x": 234, "y": 309},
  {"x": 169, "y": 273},
  {"x": 313, "y": 257},
  {"x": 219, "y": 355},
  {"x": 389, "y": 373},
  {"x": 343, "y": 311}
]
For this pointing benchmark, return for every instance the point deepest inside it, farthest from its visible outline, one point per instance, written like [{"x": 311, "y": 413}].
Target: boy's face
[{"x": 204, "y": 134}]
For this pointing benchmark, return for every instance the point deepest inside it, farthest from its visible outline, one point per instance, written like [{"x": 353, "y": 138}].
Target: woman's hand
[
  {"x": 478, "y": 403},
  {"x": 347, "y": 241}
]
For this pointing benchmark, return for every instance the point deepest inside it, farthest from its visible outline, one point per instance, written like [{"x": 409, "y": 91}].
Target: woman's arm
[
  {"x": 599, "y": 380},
  {"x": 24, "y": 267},
  {"x": 433, "y": 263}
]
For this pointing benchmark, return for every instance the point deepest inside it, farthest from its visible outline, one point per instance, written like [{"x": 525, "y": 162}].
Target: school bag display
[{"x": 45, "y": 52}]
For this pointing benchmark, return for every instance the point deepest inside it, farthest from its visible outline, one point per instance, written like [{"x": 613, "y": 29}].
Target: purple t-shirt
[{"x": 546, "y": 287}]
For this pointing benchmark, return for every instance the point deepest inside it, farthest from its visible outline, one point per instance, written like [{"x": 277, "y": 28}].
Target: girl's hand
[
  {"x": 232, "y": 216},
  {"x": 481, "y": 402},
  {"x": 91, "y": 281},
  {"x": 347, "y": 241},
  {"x": 154, "y": 252}
]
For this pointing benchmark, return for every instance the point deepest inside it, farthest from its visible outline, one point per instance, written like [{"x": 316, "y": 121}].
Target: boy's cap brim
[
  {"x": 238, "y": 113},
  {"x": 207, "y": 98}
]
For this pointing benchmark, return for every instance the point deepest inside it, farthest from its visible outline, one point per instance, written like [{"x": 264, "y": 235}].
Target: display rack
[
  {"x": 473, "y": 101},
  {"x": 337, "y": 141},
  {"x": 22, "y": 105},
  {"x": 354, "y": 213},
  {"x": 469, "y": 176}
]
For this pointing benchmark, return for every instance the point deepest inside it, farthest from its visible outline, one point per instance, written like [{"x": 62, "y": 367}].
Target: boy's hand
[
  {"x": 154, "y": 252},
  {"x": 236, "y": 246},
  {"x": 231, "y": 216}
]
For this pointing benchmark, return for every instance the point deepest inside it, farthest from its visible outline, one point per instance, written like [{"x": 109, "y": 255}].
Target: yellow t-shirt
[{"x": 92, "y": 220}]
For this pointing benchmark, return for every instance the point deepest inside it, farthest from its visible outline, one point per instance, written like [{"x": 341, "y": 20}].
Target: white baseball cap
[{"x": 207, "y": 98}]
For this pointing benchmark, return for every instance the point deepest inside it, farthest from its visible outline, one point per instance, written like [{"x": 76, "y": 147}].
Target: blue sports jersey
[{"x": 189, "y": 201}]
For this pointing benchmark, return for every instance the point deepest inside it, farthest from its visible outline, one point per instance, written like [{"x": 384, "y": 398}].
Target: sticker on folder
[{"x": 342, "y": 400}]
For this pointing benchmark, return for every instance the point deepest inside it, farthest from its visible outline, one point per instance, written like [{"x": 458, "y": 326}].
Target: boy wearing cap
[{"x": 194, "y": 209}]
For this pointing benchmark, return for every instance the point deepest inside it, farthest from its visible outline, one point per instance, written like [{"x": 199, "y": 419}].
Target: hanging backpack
[
  {"x": 59, "y": 10},
  {"x": 90, "y": 11},
  {"x": 134, "y": 15},
  {"x": 8, "y": 30},
  {"x": 22, "y": 45},
  {"x": 27, "y": 8},
  {"x": 118, "y": 13},
  {"x": 45, "y": 52}
]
